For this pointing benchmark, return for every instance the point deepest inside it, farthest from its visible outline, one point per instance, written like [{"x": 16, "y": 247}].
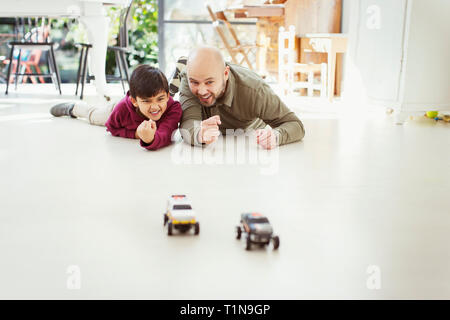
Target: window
[
  {"x": 182, "y": 207},
  {"x": 261, "y": 220},
  {"x": 183, "y": 27}
]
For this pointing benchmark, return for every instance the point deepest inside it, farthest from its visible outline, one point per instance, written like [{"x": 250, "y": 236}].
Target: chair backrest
[
  {"x": 223, "y": 27},
  {"x": 286, "y": 54},
  {"x": 219, "y": 26},
  {"x": 123, "y": 29},
  {"x": 32, "y": 30},
  {"x": 222, "y": 17},
  {"x": 286, "y": 37}
]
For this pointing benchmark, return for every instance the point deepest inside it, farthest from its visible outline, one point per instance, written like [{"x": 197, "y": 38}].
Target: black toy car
[{"x": 258, "y": 230}]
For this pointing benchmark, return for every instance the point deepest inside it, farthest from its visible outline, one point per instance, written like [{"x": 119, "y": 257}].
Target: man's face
[
  {"x": 152, "y": 107},
  {"x": 208, "y": 86}
]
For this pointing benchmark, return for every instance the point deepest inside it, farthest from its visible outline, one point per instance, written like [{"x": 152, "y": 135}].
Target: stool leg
[
  {"x": 84, "y": 73},
  {"x": 17, "y": 70},
  {"x": 125, "y": 65},
  {"x": 79, "y": 69},
  {"x": 58, "y": 79},
  {"x": 51, "y": 69},
  {"x": 9, "y": 68},
  {"x": 119, "y": 66}
]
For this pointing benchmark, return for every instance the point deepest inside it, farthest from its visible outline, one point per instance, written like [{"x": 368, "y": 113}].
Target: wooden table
[
  {"x": 330, "y": 43},
  {"x": 272, "y": 16},
  {"x": 257, "y": 11}
]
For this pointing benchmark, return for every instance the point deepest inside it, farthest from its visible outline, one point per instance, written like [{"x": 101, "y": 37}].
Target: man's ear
[
  {"x": 133, "y": 101},
  {"x": 226, "y": 73}
]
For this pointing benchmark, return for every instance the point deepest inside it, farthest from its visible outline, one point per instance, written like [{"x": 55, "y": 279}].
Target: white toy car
[{"x": 179, "y": 215}]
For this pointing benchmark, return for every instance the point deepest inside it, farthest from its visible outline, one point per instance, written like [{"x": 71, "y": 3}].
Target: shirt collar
[{"x": 227, "y": 98}]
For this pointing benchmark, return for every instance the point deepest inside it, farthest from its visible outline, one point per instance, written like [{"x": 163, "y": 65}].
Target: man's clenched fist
[
  {"x": 267, "y": 138},
  {"x": 209, "y": 130}
]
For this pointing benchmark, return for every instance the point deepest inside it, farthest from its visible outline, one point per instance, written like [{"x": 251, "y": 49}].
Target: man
[{"x": 216, "y": 96}]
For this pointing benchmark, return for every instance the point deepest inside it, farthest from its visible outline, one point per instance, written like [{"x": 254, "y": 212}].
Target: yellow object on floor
[{"x": 432, "y": 114}]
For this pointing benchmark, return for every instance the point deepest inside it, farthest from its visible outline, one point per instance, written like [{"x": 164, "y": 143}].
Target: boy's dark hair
[{"x": 147, "y": 81}]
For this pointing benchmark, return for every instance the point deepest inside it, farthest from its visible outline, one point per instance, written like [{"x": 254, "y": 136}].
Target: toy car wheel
[
  {"x": 169, "y": 229},
  {"x": 239, "y": 232},
  {"x": 275, "y": 242},
  {"x": 196, "y": 228},
  {"x": 249, "y": 243},
  {"x": 165, "y": 218}
]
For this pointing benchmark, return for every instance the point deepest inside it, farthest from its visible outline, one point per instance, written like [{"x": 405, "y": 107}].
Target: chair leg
[
  {"x": 38, "y": 70},
  {"x": 58, "y": 78},
  {"x": 125, "y": 66},
  {"x": 9, "y": 69},
  {"x": 310, "y": 83},
  {"x": 51, "y": 69},
  {"x": 17, "y": 70},
  {"x": 79, "y": 69},
  {"x": 246, "y": 59},
  {"x": 32, "y": 79},
  {"x": 13, "y": 71},
  {"x": 84, "y": 72},
  {"x": 23, "y": 78},
  {"x": 323, "y": 80},
  {"x": 119, "y": 66}
]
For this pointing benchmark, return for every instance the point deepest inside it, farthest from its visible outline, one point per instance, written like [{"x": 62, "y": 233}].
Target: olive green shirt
[{"x": 247, "y": 103}]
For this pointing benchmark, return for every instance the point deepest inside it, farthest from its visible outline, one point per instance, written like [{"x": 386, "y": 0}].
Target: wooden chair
[
  {"x": 288, "y": 68},
  {"x": 234, "y": 47},
  {"x": 33, "y": 40}
]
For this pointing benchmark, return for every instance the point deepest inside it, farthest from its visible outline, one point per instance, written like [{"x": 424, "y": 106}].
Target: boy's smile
[{"x": 152, "y": 107}]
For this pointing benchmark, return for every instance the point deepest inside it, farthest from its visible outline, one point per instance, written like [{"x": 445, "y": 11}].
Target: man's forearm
[{"x": 290, "y": 131}]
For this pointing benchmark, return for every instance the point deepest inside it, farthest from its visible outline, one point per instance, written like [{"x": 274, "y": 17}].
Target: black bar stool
[{"x": 33, "y": 36}]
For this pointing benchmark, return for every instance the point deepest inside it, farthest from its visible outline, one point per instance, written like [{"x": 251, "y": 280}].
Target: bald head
[
  {"x": 207, "y": 74},
  {"x": 205, "y": 58}
]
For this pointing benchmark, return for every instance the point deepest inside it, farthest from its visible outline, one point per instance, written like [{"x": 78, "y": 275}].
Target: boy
[{"x": 147, "y": 112}]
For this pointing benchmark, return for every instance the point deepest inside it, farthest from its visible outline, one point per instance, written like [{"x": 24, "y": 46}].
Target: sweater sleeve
[
  {"x": 115, "y": 125},
  {"x": 163, "y": 134},
  {"x": 276, "y": 114}
]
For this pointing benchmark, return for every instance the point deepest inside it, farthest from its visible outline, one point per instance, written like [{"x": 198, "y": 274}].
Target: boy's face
[{"x": 152, "y": 107}]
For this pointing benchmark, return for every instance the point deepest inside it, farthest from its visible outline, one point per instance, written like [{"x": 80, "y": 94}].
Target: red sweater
[{"x": 125, "y": 119}]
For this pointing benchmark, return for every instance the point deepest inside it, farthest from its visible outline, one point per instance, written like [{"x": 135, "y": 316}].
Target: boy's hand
[
  {"x": 209, "y": 130},
  {"x": 267, "y": 138},
  {"x": 146, "y": 131}
]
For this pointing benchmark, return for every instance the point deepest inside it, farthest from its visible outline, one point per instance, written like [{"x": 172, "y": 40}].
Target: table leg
[
  {"x": 339, "y": 57},
  {"x": 331, "y": 73},
  {"x": 96, "y": 24},
  {"x": 302, "y": 60}
]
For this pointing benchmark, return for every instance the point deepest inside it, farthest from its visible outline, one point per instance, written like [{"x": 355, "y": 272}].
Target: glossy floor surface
[{"x": 361, "y": 206}]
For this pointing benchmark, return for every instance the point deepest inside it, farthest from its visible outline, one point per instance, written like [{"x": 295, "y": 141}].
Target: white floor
[{"x": 361, "y": 207}]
